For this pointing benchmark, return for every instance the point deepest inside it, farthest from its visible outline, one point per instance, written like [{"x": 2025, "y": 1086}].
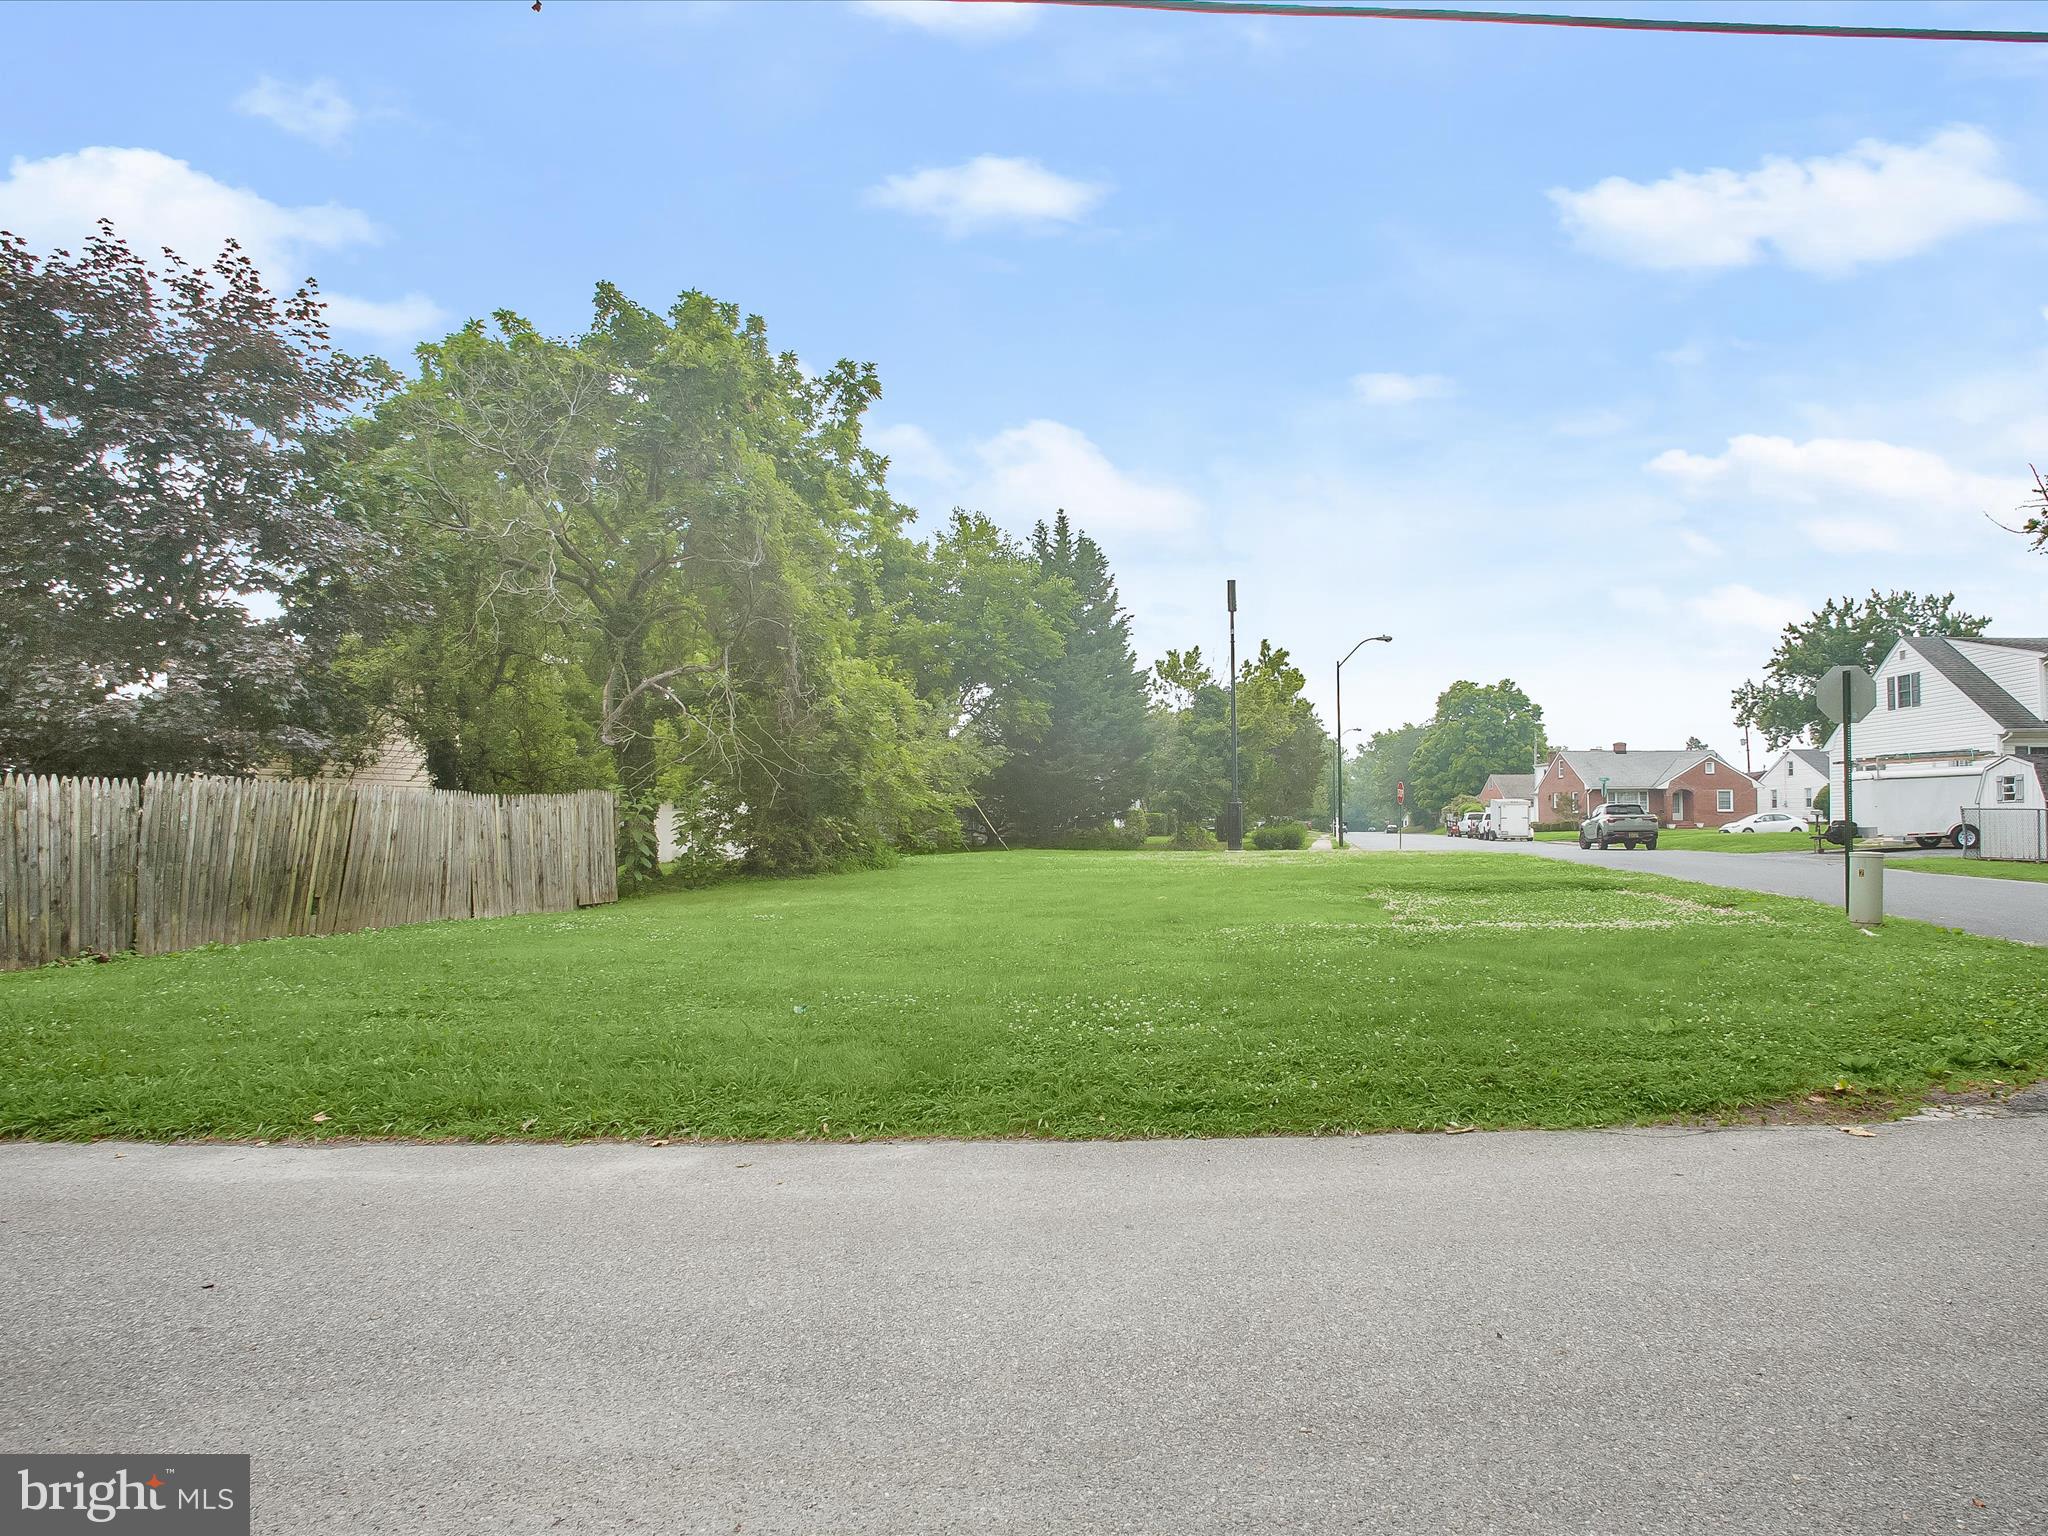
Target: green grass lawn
[
  {"x": 1713, "y": 840},
  {"x": 1990, "y": 869},
  {"x": 1040, "y": 994}
]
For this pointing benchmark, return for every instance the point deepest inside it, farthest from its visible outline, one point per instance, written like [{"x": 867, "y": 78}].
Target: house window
[
  {"x": 1710, "y": 765},
  {"x": 1903, "y": 691},
  {"x": 1774, "y": 799},
  {"x": 2009, "y": 787},
  {"x": 1809, "y": 799},
  {"x": 1724, "y": 799}
]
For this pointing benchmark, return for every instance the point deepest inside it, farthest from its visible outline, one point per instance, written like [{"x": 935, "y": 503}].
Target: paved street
[
  {"x": 1663, "y": 1332},
  {"x": 2004, "y": 909}
]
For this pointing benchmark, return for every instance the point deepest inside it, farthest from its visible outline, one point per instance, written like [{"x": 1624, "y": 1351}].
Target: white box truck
[
  {"x": 1507, "y": 821},
  {"x": 1931, "y": 804}
]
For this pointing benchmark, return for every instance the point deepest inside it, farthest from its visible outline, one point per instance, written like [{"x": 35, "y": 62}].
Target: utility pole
[
  {"x": 1368, "y": 640},
  {"x": 1235, "y": 814}
]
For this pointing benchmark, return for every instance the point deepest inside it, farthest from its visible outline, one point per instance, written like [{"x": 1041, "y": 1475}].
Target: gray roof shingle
[{"x": 1631, "y": 770}]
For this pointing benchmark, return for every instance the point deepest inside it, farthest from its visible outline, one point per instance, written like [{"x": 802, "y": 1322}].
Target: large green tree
[
  {"x": 1284, "y": 751},
  {"x": 1086, "y": 762},
  {"x": 159, "y": 443},
  {"x": 1478, "y": 729},
  {"x": 652, "y": 545},
  {"x": 1846, "y": 631},
  {"x": 1372, "y": 774}
]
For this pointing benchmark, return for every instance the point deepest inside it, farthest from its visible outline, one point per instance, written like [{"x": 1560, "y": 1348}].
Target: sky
[{"x": 1585, "y": 359}]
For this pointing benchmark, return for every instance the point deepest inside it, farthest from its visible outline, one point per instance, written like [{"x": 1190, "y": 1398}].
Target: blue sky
[{"x": 1581, "y": 358}]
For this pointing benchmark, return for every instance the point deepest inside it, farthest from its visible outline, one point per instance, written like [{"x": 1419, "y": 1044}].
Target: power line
[{"x": 1289, "y": 8}]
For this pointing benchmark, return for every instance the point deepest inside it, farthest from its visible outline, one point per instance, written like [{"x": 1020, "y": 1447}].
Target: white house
[
  {"x": 1950, "y": 701},
  {"x": 1794, "y": 777}
]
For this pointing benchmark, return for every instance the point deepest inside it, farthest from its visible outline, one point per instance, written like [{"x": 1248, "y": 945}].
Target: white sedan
[{"x": 1768, "y": 821}]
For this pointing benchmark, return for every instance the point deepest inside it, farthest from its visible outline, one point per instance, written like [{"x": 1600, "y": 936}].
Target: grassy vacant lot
[
  {"x": 1990, "y": 869},
  {"x": 1712, "y": 840},
  {"x": 1045, "y": 994}
]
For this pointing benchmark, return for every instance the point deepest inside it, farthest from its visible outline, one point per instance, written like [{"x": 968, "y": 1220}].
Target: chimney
[{"x": 1621, "y": 746}]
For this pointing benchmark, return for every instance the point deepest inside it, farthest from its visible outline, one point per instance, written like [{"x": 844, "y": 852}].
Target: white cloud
[
  {"x": 391, "y": 320},
  {"x": 1736, "y": 606},
  {"x": 316, "y": 110},
  {"x": 1400, "y": 388},
  {"x": 156, "y": 201},
  {"x": 1698, "y": 543},
  {"x": 912, "y": 452},
  {"x": 990, "y": 191},
  {"x": 1028, "y": 472},
  {"x": 1876, "y": 202},
  {"x": 1825, "y": 469},
  {"x": 979, "y": 22}
]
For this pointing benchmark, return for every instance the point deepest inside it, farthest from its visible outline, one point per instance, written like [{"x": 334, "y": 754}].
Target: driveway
[
  {"x": 1663, "y": 1332},
  {"x": 2003, "y": 909}
]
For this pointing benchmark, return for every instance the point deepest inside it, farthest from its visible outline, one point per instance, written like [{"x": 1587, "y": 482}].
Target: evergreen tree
[{"x": 1087, "y": 762}]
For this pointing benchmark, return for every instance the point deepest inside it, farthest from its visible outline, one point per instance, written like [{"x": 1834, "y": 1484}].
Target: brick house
[
  {"x": 1507, "y": 786},
  {"x": 1698, "y": 788}
]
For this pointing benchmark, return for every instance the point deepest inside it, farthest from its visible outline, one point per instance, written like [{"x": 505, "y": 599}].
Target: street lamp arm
[{"x": 1368, "y": 640}]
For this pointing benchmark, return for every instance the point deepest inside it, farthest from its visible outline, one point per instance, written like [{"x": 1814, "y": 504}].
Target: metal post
[
  {"x": 1340, "y": 754},
  {"x": 1848, "y": 795},
  {"x": 1236, "y": 801}
]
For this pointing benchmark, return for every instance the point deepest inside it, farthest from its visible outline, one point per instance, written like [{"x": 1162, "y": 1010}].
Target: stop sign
[{"x": 1400, "y": 792}]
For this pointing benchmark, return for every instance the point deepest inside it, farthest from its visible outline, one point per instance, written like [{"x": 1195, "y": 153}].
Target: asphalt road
[
  {"x": 2004, "y": 909},
  {"x": 1748, "y": 1331}
]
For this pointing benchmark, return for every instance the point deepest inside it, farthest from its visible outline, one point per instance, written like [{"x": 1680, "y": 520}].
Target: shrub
[
  {"x": 1107, "y": 836},
  {"x": 1193, "y": 836},
  {"x": 1280, "y": 834},
  {"x": 1555, "y": 826}
]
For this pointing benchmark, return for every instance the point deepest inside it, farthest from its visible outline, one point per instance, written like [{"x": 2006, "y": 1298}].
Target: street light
[{"x": 1368, "y": 640}]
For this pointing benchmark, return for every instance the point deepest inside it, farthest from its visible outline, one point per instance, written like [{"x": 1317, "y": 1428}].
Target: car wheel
[
  {"x": 1651, "y": 845},
  {"x": 1964, "y": 836},
  {"x": 1582, "y": 841}
]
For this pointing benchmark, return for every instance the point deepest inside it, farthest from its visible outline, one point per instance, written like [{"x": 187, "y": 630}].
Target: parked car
[
  {"x": 1630, "y": 825},
  {"x": 1472, "y": 824},
  {"x": 1769, "y": 821},
  {"x": 1390, "y": 829}
]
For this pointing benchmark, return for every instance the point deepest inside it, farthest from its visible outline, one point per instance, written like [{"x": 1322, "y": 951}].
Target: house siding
[
  {"x": 1702, "y": 802},
  {"x": 2023, "y": 674},
  {"x": 1945, "y": 726}
]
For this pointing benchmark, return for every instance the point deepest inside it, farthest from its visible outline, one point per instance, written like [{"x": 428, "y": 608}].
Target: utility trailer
[
  {"x": 1507, "y": 821},
  {"x": 1933, "y": 804}
]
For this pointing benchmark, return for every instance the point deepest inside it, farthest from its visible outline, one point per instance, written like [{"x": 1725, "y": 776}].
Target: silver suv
[{"x": 1630, "y": 825}]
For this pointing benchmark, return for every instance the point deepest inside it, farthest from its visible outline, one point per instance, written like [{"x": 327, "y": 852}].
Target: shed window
[{"x": 2009, "y": 787}]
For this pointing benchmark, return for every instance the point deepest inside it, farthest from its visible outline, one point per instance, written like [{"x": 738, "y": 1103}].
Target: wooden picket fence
[{"x": 98, "y": 866}]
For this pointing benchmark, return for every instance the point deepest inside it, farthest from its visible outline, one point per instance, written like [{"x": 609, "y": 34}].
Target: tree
[
  {"x": 1477, "y": 730},
  {"x": 159, "y": 437},
  {"x": 663, "y": 538},
  {"x": 1086, "y": 762},
  {"x": 1371, "y": 777},
  {"x": 1844, "y": 632},
  {"x": 1283, "y": 750},
  {"x": 1190, "y": 730},
  {"x": 1694, "y": 744}
]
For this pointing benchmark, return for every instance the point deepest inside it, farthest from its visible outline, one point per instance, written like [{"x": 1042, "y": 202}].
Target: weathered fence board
[{"x": 98, "y": 866}]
